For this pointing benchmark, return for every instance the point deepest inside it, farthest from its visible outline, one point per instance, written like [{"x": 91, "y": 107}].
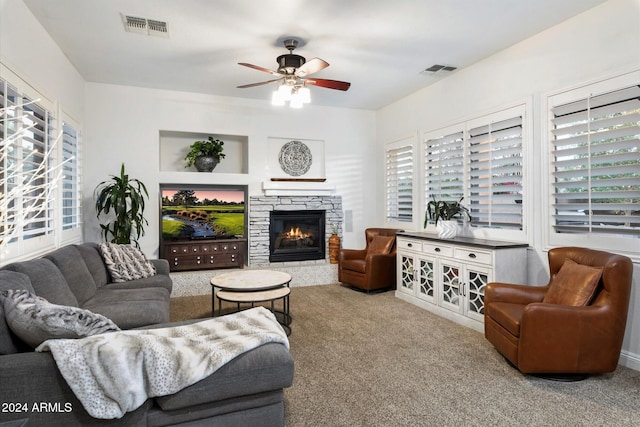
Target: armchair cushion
[
  {"x": 359, "y": 265},
  {"x": 574, "y": 285},
  {"x": 508, "y": 315},
  {"x": 381, "y": 245}
]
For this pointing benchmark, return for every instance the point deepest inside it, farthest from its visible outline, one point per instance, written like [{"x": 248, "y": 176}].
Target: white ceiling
[{"x": 381, "y": 47}]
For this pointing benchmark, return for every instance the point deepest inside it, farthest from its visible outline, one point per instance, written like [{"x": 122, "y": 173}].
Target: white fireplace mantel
[{"x": 297, "y": 188}]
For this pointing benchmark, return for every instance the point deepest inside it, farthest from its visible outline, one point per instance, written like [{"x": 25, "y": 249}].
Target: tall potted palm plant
[{"x": 125, "y": 196}]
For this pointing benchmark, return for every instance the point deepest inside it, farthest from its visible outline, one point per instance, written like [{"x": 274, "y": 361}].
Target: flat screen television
[{"x": 192, "y": 212}]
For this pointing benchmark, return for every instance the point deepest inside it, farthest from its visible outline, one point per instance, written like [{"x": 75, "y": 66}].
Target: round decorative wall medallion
[{"x": 295, "y": 158}]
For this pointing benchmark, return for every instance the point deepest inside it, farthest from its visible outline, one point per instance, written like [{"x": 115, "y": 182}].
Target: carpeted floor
[{"x": 374, "y": 360}]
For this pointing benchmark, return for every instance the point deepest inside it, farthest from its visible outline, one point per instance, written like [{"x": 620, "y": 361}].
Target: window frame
[
  {"x": 409, "y": 141},
  {"x": 628, "y": 246},
  {"x": 521, "y": 108},
  {"x": 21, "y": 248}
]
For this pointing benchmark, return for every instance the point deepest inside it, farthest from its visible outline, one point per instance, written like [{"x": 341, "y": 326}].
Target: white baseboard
[{"x": 630, "y": 360}]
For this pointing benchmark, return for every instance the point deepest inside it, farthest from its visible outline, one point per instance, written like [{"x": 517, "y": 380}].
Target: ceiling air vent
[
  {"x": 439, "y": 69},
  {"x": 150, "y": 27}
]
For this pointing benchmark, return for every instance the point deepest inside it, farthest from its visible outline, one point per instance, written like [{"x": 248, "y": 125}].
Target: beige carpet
[{"x": 374, "y": 360}]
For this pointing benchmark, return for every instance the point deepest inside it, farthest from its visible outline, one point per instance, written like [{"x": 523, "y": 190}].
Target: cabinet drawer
[
  {"x": 474, "y": 255},
  {"x": 432, "y": 249},
  {"x": 409, "y": 244}
]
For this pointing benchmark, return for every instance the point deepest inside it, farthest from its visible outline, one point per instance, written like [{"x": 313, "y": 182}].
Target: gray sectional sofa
[{"x": 246, "y": 391}]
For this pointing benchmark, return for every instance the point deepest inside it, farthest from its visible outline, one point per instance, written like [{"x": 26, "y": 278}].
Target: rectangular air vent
[
  {"x": 151, "y": 27},
  {"x": 439, "y": 69}
]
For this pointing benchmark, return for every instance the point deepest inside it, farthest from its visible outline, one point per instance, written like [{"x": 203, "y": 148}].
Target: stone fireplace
[{"x": 268, "y": 238}]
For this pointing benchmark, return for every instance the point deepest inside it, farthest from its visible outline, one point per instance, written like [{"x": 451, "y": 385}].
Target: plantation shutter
[
  {"x": 70, "y": 178},
  {"x": 495, "y": 174},
  {"x": 444, "y": 167},
  {"x": 399, "y": 182},
  {"x": 596, "y": 164}
]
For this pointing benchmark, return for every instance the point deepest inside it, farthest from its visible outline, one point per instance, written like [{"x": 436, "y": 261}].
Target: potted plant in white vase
[
  {"x": 442, "y": 213},
  {"x": 205, "y": 155}
]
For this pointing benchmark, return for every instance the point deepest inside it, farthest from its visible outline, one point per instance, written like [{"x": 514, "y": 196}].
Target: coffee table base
[{"x": 254, "y": 297}]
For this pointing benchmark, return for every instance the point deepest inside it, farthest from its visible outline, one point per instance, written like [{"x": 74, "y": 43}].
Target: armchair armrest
[
  {"x": 516, "y": 294},
  {"x": 558, "y": 338},
  {"x": 352, "y": 254}
]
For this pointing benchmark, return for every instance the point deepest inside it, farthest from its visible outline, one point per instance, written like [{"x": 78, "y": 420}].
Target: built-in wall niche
[{"x": 174, "y": 146}]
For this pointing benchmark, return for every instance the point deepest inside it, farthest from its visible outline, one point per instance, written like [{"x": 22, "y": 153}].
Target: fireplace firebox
[{"x": 296, "y": 235}]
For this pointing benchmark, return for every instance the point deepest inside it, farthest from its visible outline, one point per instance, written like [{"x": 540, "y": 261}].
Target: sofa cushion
[
  {"x": 90, "y": 252},
  {"x": 575, "y": 284},
  {"x": 131, "y": 308},
  {"x": 47, "y": 281},
  {"x": 9, "y": 343},
  {"x": 36, "y": 320},
  {"x": 268, "y": 367},
  {"x": 126, "y": 262},
  {"x": 75, "y": 271}
]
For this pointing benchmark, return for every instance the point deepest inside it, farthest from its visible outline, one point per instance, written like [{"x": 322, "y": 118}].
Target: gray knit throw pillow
[
  {"x": 126, "y": 262},
  {"x": 34, "y": 319}
]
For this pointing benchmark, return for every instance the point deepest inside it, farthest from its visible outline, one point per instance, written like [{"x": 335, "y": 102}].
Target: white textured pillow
[
  {"x": 34, "y": 319},
  {"x": 126, "y": 262}
]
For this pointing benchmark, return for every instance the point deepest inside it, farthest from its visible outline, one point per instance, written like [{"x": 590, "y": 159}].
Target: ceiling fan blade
[
  {"x": 312, "y": 66},
  {"x": 256, "y": 67},
  {"x": 329, "y": 84},
  {"x": 259, "y": 84}
]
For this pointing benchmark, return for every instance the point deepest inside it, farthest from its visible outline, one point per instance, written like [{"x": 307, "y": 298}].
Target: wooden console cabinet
[
  {"x": 448, "y": 277},
  {"x": 204, "y": 254}
]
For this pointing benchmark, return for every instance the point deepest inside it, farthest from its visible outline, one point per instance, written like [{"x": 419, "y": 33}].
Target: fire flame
[{"x": 295, "y": 233}]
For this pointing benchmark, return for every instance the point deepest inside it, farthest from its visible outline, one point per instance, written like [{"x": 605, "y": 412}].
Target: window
[
  {"x": 481, "y": 161},
  {"x": 399, "y": 181},
  {"x": 495, "y": 174},
  {"x": 39, "y": 173},
  {"x": 71, "y": 195},
  {"x": 595, "y": 163}
]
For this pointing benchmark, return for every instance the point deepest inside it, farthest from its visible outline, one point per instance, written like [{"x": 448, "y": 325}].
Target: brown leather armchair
[
  {"x": 545, "y": 338},
  {"x": 374, "y": 267}
]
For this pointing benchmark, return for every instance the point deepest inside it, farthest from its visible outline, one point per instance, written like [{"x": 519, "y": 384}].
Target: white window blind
[
  {"x": 596, "y": 164},
  {"x": 444, "y": 167},
  {"x": 495, "y": 174},
  {"x": 27, "y": 186},
  {"x": 399, "y": 182},
  {"x": 71, "y": 196}
]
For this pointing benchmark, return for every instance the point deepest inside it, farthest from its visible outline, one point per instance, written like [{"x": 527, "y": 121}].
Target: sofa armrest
[
  {"x": 516, "y": 294},
  {"x": 161, "y": 265}
]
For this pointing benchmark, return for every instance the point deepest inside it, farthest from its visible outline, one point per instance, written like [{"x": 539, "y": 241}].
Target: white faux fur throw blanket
[{"x": 116, "y": 372}]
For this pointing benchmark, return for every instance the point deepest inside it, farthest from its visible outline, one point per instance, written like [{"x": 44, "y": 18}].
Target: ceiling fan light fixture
[
  {"x": 276, "y": 99},
  {"x": 305, "y": 94},
  {"x": 285, "y": 92}
]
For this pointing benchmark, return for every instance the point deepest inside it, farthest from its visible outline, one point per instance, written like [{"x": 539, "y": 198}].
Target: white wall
[
  {"x": 600, "y": 43},
  {"x": 28, "y": 50},
  {"x": 123, "y": 124}
]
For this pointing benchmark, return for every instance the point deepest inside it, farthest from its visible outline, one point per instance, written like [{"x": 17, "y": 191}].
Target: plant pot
[
  {"x": 334, "y": 248},
  {"x": 205, "y": 163},
  {"x": 447, "y": 229}
]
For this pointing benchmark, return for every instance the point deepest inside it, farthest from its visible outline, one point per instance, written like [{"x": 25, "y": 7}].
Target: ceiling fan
[{"x": 292, "y": 73}]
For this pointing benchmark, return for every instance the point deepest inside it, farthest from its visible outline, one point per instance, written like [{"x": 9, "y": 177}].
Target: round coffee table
[
  {"x": 250, "y": 280},
  {"x": 252, "y": 286}
]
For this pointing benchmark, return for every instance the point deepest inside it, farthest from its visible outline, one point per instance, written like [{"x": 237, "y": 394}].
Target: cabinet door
[
  {"x": 426, "y": 279},
  {"x": 476, "y": 279},
  {"x": 450, "y": 286},
  {"x": 406, "y": 271}
]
